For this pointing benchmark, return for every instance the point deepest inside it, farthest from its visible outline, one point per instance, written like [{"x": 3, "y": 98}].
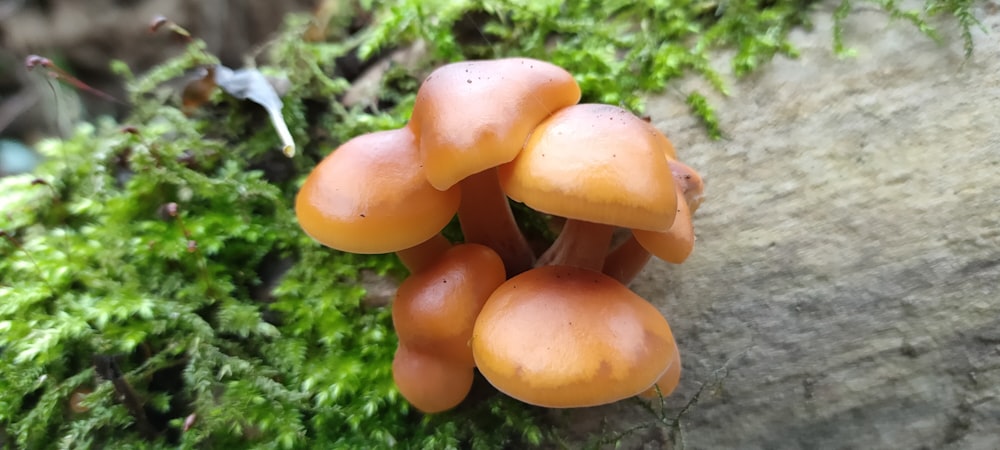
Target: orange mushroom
[
  {"x": 475, "y": 115},
  {"x": 675, "y": 244},
  {"x": 433, "y": 313},
  {"x": 668, "y": 381},
  {"x": 436, "y": 307},
  {"x": 563, "y": 336},
  {"x": 430, "y": 383},
  {"x": 371, "y": 196},
  {"x": 600, "y": 167},
  {"x": 472, "y": 116}
]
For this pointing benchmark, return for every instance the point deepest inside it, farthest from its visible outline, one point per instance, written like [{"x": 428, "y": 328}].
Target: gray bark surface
[{"x": 844, "y": 291}]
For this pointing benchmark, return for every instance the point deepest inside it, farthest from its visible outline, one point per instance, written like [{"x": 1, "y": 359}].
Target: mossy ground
[{"x": 157, "y": 291}]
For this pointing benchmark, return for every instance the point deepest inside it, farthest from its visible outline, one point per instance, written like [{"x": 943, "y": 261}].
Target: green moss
[
  {"x": 960, "y": 10},
  {"x": 146, "y": 265}
]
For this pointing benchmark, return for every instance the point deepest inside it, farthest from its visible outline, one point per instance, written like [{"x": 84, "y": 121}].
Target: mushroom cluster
[{"x": 559, "y": 329}]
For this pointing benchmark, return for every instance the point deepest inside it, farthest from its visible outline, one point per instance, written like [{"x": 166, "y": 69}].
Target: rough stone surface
[{"x": 844, "y": 291}]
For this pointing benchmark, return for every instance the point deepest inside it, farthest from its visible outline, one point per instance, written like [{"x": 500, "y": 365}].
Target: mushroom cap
[
  {"x": 597, "y": 163},
  {"x": 562, "y": 336},
  {"x": 475, "y": 115},
  {"x": 371, "y": 196},
  {"x": 431, "y": 384},
  {"x": 436, "y": 308},
  {"x": 668, "y": 381},
  {"x": 665, "y": 144},
  {"x": 675, "y": 244}
]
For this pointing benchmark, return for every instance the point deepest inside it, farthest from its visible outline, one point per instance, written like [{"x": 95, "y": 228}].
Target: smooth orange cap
[
  {"x": 371, "y": 196},
  {"x": 436, "y": 308},
  {"x": 668, "y": 381},
  {"x": 664, "y": 143},
  {"x": 675, "y": 244},
  {"x": 475, "y": 115},
  {"x": 562, "y": 336},
  {"x": 597, "y": 163},
  {"x": 431, "y": 384}
]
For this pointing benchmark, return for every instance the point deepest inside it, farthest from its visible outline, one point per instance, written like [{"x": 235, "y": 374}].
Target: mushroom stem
[
  {"x": 421, "y": 255},
  {"x": 580, "y": 244},
  {"x": 486, "y": 219},
  {"x": 626, "y": 261}
]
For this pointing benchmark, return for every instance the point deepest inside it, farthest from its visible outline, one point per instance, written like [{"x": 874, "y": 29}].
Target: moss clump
[{"x": 157, "y": 292}]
